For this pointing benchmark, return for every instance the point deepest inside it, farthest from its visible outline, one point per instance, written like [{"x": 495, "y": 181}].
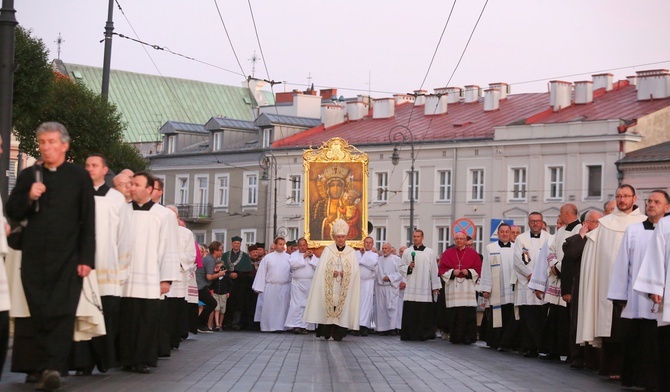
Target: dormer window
[
  {"x": 267, "y": 137},
  {"x": 217, "y": 142},
  {"x": 171, "y": 144}
]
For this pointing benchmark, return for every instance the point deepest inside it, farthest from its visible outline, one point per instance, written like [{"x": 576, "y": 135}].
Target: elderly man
[
  {"x": 303, "y": 264},
  {"x": 496, "y": 287},
  {"x": 367, "y": 261},
  {"x": 419, "y": 267},
  {"x": 640, "y": 359},
  {"x": 514, "y": 232},
  {"x": 460, "y": 267},
  {"x": 598, "y": 317},
  {"x": 242, "y": 301},
  {"x": 273, "y": 279},
  {"x": 526, "y": 253},
  {"x": 387, "y": 287},
  {"x": 334, "y": 298},
  {"x": 609, "y": 207},
  {"x": 58, "y": 245},
  {"x": 122, "y": 185}
]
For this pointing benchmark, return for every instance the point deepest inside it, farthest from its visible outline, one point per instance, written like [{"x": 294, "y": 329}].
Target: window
[
  {"x": 250, "y": 195},
  {"x": 443, "y": 239},
  {"x": 267, "y": 137},
  {"x": 408, "y": 236},
  {"x": 477, "y": 184},
  {"x": 295, "y": 190},
  {"x": 556, "y": 182},
  {"x": 217, "y": 141},
  {"x": 380, "y": 237},
  {"x": 444, "y": 185},
  {"x": 519, "y": 183},
  {"x": 182, "y": 190},
  {"x": 594, "y": 180},
  {"x": 221, "y": 191},
  {"x": 171, "y": 144},
  {"x": 200, "y": 237},
  {"x": 221, "y": 236},
  {"x": 201, "y": 196},
  {"x": 478, "y": 241},
  {"x": 248, "y": 237},
  {"x": 292, "y": 234},
  {"x": 382, "y": 186},
  {"x": 416, "y": 184}
]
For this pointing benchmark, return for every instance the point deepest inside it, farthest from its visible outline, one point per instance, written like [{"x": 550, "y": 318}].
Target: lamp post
[
  {"x": 397, "y": 135},
  {"x": 267, "y": 161}
]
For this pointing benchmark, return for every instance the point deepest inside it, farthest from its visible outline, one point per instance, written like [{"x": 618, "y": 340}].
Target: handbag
[{"x": 15, "y": 236}]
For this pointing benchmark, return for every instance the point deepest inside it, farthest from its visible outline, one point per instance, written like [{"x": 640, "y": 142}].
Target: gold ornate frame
[{"x": 336, "y": 158}]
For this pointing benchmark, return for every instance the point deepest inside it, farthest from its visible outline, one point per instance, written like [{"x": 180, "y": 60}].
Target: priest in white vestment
[
  {"x": 546, "y": 281},
  {"x": 529, "y": 308},
  {"x": 496, "y": 287},
  {"x": 154, "y": 264},
  {"x": 419, "y": 267},
  {"x": 273, "y": 280},
  {"x": 387, "y": 291},
  {"x": 334, "y": 299},
  {"x": 367, "y": 262},
  {"x": 303, "y": 264},
  {"x": 598, "y": 319},
  {"x": 640, "y": 356}
]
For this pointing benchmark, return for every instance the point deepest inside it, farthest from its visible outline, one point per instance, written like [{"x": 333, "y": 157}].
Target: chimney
[
  {"x": 472, "y": 93},
  {"x": 504, "y": 88},
  {"x": 420, "y": 97},
  {"x": 491, "y": 99},
  {"x": 383, "y": 107},
  {"x": 602, "y": 81},
  {"x": 402, "y": 98},
  {"x": 653, "y": 84},
  {"x": 559, "y": 96},
  {"x": 632, "y": 80},
  {"x": 332, "y": 114},
  {"x": 328, "y": 94},
  {"x": 435, "y": 104},
  {"x": 285, "y": 97},
  {"x": 356, "y": 110},
  {"x": 454, "y": 94},
  {"x": 583, "y": 92}
]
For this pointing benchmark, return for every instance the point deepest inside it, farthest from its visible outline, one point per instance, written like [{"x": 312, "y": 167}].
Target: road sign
[
  {"x": 495, "y": 223},
  {"x": 465, "y": 225}
]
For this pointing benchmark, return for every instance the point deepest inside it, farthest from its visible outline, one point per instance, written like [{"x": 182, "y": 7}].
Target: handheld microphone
[
  {"x": 413, "y": 254},
  {"x": 37, "y": 170}
]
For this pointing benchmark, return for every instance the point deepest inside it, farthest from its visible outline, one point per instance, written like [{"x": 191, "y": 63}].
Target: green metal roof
[{"x": 146, "y": 102}]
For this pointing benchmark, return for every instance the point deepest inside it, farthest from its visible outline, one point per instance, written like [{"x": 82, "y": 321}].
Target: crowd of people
[{"x": 105, "y": 277}]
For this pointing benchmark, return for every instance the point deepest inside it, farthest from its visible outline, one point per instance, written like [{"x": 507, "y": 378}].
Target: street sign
[
  {"x": 466, "y": 226},
  {"x": 495, "y": 223}
]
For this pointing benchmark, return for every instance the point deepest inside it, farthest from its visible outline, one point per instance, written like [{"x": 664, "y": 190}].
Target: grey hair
[{"x": 53, "y": 126}]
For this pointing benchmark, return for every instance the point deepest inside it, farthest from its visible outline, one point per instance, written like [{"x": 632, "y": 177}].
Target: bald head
[{"x": 122, "y": 184}]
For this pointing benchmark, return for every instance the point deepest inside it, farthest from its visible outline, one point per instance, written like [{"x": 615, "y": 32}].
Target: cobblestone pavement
[{"x": 248, "y": 361}]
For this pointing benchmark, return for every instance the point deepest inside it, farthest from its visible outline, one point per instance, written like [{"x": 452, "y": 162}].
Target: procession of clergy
[{"x": 592, "y": 294}]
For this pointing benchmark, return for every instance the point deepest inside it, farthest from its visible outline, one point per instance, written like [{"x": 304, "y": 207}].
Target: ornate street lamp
[{"x": 398, "y": 135}]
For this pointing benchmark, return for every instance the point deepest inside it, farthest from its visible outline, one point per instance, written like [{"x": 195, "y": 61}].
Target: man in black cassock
[
  {"x": 58, "y": 246},
  {"x": 242, "y": 301}
]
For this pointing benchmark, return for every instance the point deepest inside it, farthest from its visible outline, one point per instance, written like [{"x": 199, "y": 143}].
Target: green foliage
[{"x": 40, "y": 95}]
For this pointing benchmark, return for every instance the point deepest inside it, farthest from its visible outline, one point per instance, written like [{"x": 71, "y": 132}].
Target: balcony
[{"x": 195, "y": 213}]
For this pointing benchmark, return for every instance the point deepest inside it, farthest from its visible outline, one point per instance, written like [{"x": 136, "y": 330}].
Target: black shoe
[
  {"x": 364, "y": 331},
  {"x": 303, "y": 331},
  {"x": 84, "y": 372},
  {"x": 338, "y": 339},
  {"x": 32, "y": 378},
  {"x": 530, "y": 354},
  {"x": 49, "y": 381},
  {"x": 356, "y": 333},
  {"x": 141, "y": 369}
]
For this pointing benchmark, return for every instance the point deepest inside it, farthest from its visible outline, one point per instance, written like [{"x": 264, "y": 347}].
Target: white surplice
[
  {"x": 654, "y": 274},
  {"x": 179, "y": 288},
  {"x": 526, "y": 255},
  {"x": 401, "y": 298},
  {"x": 634, "y": 245},
  {"x": 387, "y": 293},
  {"x": 368, "y": 266},
  {"x": 496, "y": 278},
  {"x": 273, "y": 279},
  {"x": 595, "y": 310},
  {"x": 302, "y": 273},
  {"x": 423, "y": 279}
]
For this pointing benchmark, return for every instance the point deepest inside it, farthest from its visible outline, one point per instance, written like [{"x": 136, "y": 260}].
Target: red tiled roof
[{"x": 469, "y": 120}]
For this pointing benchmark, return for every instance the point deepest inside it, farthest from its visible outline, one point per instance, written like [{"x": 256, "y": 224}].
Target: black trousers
[
  {"x": 4, "y": 338},
  {"x": 640, "y": 353},
  {"x": 530, "y": 328},
  {"x": 556, "y": 331},
  {"x": 101, "y": 351},
  {"x": 506, "y": 335},
  {"x": 42, "y": 343},
  {"x": 418, "y": 321},
  {"x": 205, "y": 297},
  {"x": 138, "y": 340}
]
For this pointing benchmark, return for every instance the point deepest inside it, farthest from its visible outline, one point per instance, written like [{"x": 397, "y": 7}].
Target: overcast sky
[{"x": 382, "y": 45}]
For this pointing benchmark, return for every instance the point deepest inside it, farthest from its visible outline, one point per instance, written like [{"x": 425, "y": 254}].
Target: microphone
[
  {"x": 409, "y": 269},
  {"x": 413, "y": 254},
  {"x": 37, "y": 170}
]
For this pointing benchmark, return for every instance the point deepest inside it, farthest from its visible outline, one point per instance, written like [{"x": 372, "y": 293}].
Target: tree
[{"x": 94, "y": 125}]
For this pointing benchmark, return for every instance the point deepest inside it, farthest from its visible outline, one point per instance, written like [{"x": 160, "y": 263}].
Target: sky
[{"x": 379, "y": 46}]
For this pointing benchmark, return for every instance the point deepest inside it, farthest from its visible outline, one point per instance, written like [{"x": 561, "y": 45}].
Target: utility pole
[
  {"x": 107, "y": 61},
  {"x": 7, "y": 33}
]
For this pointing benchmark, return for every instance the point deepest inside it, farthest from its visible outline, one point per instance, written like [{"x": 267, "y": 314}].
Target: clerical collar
[
  {"x": 571, "y": 225},
  {"x": 340, "y": 248},
  {"x": 144, "y": 207},
  {"x": 648, "y": 225},
  {"x": 503, "y": 245},
  {"x": 101, "y": 190},
  {"x": 535, "y": 235},
  {"x": 421, "y": 248}
]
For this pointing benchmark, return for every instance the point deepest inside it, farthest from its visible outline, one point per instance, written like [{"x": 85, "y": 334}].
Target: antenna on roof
[
  {"x": 254, "y": 59},
  {"x": 59, "y": 41}
]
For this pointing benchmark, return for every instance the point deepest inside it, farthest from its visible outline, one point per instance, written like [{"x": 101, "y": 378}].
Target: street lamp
[
  {"x": 397, "y": 135},
  {"x": 267, "y": 161}
]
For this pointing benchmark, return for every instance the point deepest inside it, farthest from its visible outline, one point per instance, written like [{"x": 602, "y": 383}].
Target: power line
[{"x": 229, "y": 39}]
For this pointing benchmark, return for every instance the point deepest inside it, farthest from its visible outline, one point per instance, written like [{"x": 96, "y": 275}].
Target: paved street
[{"x": 246, "y": 361}]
